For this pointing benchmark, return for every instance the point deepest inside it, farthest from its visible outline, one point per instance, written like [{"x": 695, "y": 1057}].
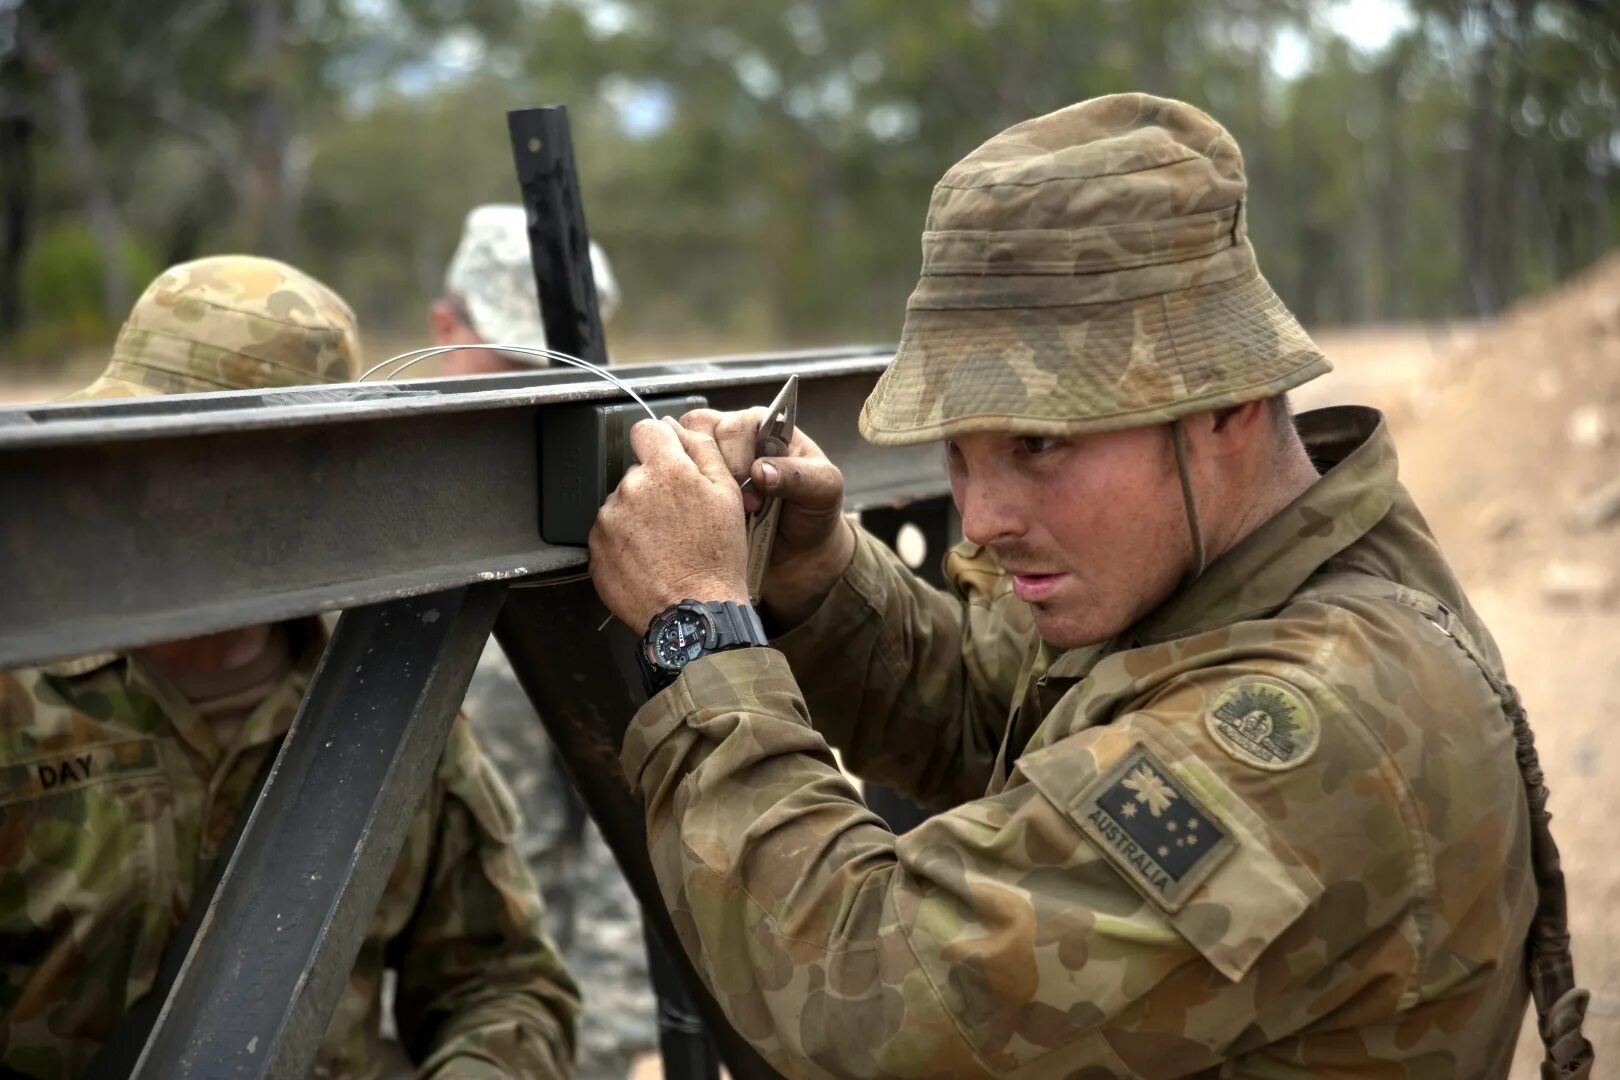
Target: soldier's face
[
  {"x": 452, "y": 327},
  {"x": 1091, "y": 528}
]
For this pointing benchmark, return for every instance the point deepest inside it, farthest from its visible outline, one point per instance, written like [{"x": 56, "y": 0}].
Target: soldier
[
  {"x": 121, "y": 776},
  {"x": 489, "y": 294},
  {"x": 590, "y": 910},
  {"x": 1226, "y": 759}
]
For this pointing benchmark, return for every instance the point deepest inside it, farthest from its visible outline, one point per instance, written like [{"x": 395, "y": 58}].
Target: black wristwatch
[{"x": 685, "y": 631}]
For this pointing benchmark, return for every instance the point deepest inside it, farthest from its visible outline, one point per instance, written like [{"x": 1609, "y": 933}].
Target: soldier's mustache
[{"x": 1019, "y": 557}]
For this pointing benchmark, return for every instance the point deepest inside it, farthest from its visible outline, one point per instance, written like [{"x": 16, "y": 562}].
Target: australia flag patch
[{"x": 1153, "y": 828}]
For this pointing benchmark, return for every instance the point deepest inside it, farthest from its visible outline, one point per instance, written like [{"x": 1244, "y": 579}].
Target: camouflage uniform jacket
[
  {"x": 1273, "y": 829},
  {"x": 591, "y": 913},
  {"x": 114, "y": 792}
]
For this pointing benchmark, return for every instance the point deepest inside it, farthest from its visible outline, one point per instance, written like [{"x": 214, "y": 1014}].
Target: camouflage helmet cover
[
  {"x": 492, "y": 274},
  {"x": 230, "y": 322},
  {"x": 1085, "y": 271}
]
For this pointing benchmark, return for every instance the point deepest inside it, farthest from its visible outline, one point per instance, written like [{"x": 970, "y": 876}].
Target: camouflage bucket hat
[
  {"x": 1086, "y": 271},
  {"x": 230, "y": 322}
]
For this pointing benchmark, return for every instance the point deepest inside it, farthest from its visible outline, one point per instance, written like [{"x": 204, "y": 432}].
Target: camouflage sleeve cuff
[
  {"x": 709, "y": 697},
  {"x": 855, "y": 598}
]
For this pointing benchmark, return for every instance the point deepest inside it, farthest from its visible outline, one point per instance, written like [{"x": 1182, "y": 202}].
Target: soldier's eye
[{"x": 1037, "y": 444}]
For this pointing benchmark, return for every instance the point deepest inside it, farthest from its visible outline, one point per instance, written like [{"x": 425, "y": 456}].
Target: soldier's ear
[
  {"x": 445, "y": 323},
  {"x": 1232, "y": 429}
]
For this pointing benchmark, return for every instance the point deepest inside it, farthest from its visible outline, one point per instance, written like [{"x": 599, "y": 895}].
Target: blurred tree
[
  {"x": 16, "y": 198},
  {"x": 815, "y": 130},
  {"x": 53, "y": 53},
  {"x": 1533, "y": 70},
  {"x": 205, "y": 106},
  {"x": 760, "y": 172},
  {"x": 63, "y": 282}
]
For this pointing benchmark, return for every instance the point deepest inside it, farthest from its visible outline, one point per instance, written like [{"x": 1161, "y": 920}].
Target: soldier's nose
[{"x": 987, "y": 515}]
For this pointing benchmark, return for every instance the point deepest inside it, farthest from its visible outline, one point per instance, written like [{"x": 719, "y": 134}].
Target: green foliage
[{"x": 62, "y": 283}]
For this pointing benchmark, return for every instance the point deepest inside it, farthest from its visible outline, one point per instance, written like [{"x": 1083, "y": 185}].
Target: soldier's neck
[
  {"x": 225, "y": 676},
  {"x": 1276, "y": 483}
]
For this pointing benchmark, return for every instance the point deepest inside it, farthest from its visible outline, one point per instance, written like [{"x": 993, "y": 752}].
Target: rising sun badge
[{"x": 1265, "y": 724}]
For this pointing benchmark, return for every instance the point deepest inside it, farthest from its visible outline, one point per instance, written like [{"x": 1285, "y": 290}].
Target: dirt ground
[{"x": 1509, "y": 437}]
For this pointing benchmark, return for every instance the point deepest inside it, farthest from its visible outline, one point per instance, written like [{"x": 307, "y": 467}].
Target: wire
[
  {"x": 412, "y": 357},
  {"x": 549, "y": 582},
  {"x": 569, "y": 580}
]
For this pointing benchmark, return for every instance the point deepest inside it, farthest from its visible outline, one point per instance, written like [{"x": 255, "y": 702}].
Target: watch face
[{"x": 680, "y": 638}]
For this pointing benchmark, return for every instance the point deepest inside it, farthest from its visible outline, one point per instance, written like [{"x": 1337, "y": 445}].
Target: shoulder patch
[
  {"x": 1153, "y": 828},
  {"x": 1264, "y": 723}
]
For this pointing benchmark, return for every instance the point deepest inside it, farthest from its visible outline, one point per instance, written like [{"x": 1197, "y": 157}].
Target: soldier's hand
[
  {"x": 814, "y": 541},
  {"x": 672, "y": 530}
]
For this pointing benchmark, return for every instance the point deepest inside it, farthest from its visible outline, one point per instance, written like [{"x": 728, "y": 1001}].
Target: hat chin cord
[{"x": 1178, "y": 439}]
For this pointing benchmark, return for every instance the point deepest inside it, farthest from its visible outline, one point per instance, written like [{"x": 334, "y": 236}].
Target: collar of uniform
[
  {"x": 274, "y": 715},
  {"x": 1352, "y": 443},
  {"x": 75, "y": 666}
]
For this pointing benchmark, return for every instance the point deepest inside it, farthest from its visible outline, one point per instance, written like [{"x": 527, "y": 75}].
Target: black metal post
[
  {"x": 935, "y": 518},
  {"x": 681, "y": 1033},
  {"x": 559, "y": 245},
  {"x": 270, "y": 960}
]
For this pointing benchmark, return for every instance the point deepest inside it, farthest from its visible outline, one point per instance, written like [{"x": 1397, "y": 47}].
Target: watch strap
[{"x": 737, "y": 626}]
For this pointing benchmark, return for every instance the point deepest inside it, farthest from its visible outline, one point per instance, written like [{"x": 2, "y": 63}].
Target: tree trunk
[
  {"x": 1315, "y": 268},
  {"x": 1479, "y": 292},
  {"x": 16, "y": 198},
  {"x": 1513, "y": 169},
  {"x": 265, "y": 219},
  {"x": 1599, "y": 174},
  {"x": 79, "y": 152},
  {"x": 1350, "y": 263},
  {"x": 1390, "y": 207}
]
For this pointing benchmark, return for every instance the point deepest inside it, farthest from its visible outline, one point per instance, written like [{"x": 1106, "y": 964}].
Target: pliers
[{"x": 774, "y": 438}]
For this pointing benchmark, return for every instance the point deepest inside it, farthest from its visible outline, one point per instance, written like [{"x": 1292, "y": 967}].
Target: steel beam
[
  {"x": 273, "y": 954},
  {"x": 155, "y": 519}
]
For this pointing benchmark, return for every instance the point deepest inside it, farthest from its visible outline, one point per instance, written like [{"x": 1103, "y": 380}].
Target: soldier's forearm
[
  {"x": 882, "y": 669},
  {"x": 795, "y": 589}
]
